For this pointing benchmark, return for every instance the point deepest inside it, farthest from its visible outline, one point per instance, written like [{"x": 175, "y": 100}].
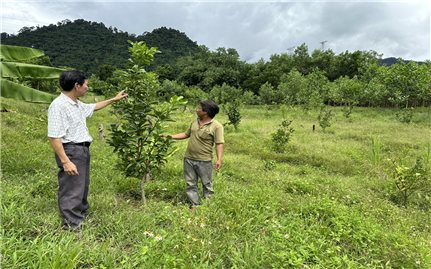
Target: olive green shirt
[{"x": 202, "y": 139}]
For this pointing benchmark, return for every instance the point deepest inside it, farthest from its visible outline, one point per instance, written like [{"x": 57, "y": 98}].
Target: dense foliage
[
  {"x": 347, "y": 79},
  {"x": 85, "y": 45}
]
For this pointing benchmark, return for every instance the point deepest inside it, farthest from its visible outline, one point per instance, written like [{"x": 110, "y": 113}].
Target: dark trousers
[
  {"x": 192, "y": 171},
  {"x": 73, "y": 190}
]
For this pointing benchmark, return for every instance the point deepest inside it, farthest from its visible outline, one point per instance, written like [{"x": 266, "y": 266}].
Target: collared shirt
[
  {"x": 202, "y": 139},
  {"x": 67, "y": 120}
]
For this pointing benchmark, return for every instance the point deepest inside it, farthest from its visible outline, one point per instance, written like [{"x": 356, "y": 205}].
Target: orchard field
[{"x": 329, "y": 201}]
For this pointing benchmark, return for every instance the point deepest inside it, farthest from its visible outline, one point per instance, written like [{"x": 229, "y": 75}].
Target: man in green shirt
[{"x": 203, "y": 134}]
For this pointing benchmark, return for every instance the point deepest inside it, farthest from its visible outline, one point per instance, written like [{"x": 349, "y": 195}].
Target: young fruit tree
[
  {"x": 137, "y": 134},
  {"x": 281, "y": 137},
  {"x": 233, "y": 113}
]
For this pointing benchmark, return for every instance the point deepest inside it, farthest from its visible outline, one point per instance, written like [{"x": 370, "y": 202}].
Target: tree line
[
  {"x": 301, "y": 78},
  {"x": 304, "y": 78}
]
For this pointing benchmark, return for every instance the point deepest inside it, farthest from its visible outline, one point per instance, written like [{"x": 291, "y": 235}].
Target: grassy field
[{"x": 329, "y": 201}]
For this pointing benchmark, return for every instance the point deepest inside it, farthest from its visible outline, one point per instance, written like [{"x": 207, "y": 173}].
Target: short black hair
[
  {"x": 69, "y": 78},
  {"x": 209, "y": 107}
]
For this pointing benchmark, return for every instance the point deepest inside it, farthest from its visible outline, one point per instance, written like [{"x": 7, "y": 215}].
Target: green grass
[{"x": 324, "y": 203}]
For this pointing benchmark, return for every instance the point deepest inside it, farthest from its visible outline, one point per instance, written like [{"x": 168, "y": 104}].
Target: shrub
[
  {"x": 409, "y": 179},
  {"x": 324, "y": 118},
  {"x": 233, "y": 113},
  {"x": 170, "y": 88},
  {"x": 281, "y": 137},
  {"x": 249, "y": 98},
  {"x": 225, "y": 94},
  {"x": 195, "y": 94},
  {"x": 268, "y": 94},
  {"x": 291, "y": 85},
  {"x": 99, "y": 86},
  {"x": 405, "y": 115}
]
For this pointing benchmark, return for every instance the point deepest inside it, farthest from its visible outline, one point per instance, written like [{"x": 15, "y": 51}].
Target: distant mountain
[
  {"x": 388, "y": 61},
  {"x": 392, "y": 60},
  {"x": 85, "y": 45}
]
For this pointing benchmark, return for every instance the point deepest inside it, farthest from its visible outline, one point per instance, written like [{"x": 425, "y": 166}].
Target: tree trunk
[
  {"x": 405, "y": 196},
  {"x": 143, "y": 198},
  {"x": 147, "y": 177},
  {"x": 101, "y": 132}
]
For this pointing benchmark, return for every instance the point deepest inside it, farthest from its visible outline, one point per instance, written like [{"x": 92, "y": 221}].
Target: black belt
[{"x": 82, "y": 144}]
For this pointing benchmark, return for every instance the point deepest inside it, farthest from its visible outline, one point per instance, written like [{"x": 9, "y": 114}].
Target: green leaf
[
  {"x": 16, "y": 53},
  {"x": 22, "y": 70},
  {"x": 10, "y": 69},
  {"x": 17, "y": 91}
]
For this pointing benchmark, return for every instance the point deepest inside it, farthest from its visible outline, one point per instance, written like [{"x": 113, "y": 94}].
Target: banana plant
[{"x": 13, "y": 66}]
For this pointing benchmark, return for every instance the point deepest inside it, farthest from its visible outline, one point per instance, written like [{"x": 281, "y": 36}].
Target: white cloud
[{"x": 255, "y": 28}]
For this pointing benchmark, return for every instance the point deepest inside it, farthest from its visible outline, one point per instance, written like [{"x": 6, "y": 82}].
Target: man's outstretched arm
[
  {"x": 179, "y": 136},
  {"x": 103, "y": 104}
]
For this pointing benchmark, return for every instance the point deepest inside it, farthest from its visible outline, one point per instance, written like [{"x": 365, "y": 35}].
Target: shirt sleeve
[
  {"x": 57, "y": 125},
  {"x": 88, "y": 109},
  {"x": 219, "y": 135},
  {"x": 189, "y": 130}
]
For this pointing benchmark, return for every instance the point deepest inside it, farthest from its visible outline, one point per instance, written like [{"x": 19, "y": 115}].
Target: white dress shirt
[{"x": 67, "y": 120}]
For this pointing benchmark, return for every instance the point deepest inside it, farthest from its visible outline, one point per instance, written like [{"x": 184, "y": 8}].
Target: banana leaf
[
  {"x": 10, "y": 89},
  {"x": 16, "y": 53},
  {"x": 22, "y": 70}
]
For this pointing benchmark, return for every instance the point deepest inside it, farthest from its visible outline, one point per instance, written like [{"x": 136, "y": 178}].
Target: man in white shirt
[{"x": 70, "y": 139}]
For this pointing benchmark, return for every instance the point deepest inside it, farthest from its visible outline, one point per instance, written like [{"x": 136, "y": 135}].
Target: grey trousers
[
  {"x": 73, "y": 190},
  {"x": 192, "y": 170}
]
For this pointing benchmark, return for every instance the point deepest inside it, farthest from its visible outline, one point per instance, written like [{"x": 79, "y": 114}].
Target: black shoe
[{"x": 72, "y": 227}]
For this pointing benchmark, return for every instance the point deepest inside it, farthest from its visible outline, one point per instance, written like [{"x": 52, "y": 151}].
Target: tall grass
[
  {"x": 376, "y": 150},
  {"x": 318, "y": 205}
]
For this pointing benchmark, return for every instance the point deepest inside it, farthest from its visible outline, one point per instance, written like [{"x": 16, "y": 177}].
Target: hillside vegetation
[
  {"x": 86, "y": 45},
  {"x": 329, "y": 201}
]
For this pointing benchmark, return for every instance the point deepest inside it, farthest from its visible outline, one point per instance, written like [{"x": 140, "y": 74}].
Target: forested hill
[
  {"x": 86, "y": 45},
  {"x": 392, "y": 60}
]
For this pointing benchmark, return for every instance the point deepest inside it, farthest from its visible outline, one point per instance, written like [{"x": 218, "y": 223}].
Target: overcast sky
[{"x": 256, "y": 29}]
